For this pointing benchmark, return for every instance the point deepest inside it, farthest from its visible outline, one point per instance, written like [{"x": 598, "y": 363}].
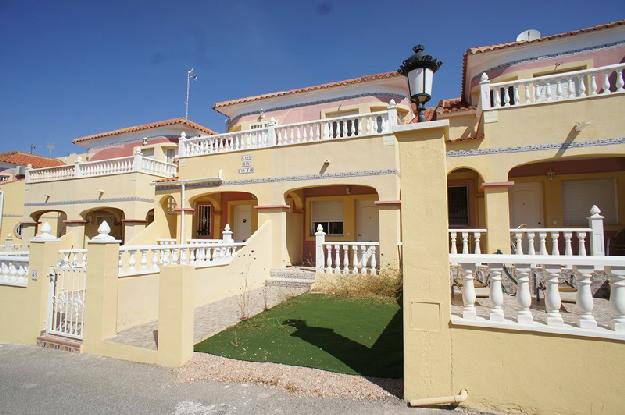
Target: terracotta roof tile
[
  {"x": 135, "y": 128},
  {"x": 447, "y": 106},
  {"x": 23, "y": 159},
  {"x": 346, "y": 82},
  {"x": 498, "y": 46},
  {"x": 430, "y": 115}
]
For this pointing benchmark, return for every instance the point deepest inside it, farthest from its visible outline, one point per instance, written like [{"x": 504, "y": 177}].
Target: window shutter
[
  {"x": 578, "y": 196},
  {"x": 327, "y": 211}
]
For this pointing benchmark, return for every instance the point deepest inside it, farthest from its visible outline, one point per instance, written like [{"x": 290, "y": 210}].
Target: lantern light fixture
[{"x": 419, "y": 69}]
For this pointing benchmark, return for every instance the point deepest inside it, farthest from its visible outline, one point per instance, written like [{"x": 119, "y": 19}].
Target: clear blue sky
[{"x": 70, "y": 68}]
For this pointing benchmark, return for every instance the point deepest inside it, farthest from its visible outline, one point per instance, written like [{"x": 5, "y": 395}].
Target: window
[
  {"x": 171, "y": 205},
  {"x": 578, "y": 196},
  {"x": 170, "y": 154},
  {"x": 328, "y": 214},
  {"x": 148, "y": 152},
  {"x": 458, "y": 205},
  {"x": 203, "y": 220}
]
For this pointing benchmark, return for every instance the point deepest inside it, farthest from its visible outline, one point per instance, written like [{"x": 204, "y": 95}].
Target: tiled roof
[
  {"x": 24, "y": 159},
  {"x": 430, "y": 115},
  {"x": 498, "y": 46},
  {"x": 135, "y": 128},
  {"x": 447, "y": 106},
  {"x": 366, "y": 78}
]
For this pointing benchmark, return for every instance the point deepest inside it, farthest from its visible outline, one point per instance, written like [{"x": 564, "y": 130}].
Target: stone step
[
  {"x": 288, "y": 282},
  {"x": 293, "y": 273},
  {"x": 51, "y": 341}
]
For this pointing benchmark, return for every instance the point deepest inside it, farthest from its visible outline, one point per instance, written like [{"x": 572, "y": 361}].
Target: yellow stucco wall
[{"x": 13, "y": 209}]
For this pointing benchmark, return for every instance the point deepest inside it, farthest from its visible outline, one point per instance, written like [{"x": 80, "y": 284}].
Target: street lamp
[{"x": 420, "y": 68}]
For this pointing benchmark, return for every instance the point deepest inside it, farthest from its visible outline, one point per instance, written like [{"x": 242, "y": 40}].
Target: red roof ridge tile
[{"x": 21, "y": 158}]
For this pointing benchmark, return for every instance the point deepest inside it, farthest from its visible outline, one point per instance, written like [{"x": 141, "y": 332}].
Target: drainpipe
[
  {"x": 464, "y": 394},
  {"x": 182, "y": 213}
]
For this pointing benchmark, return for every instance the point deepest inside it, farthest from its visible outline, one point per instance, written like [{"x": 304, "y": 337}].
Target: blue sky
[{"x": 71, "y": 68}]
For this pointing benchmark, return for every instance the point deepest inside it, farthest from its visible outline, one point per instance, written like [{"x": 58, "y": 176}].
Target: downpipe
[{"x": 441, "y": 400}]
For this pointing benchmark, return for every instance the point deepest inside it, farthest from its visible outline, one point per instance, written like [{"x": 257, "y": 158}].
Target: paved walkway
[{"x": 215, "y": 317}]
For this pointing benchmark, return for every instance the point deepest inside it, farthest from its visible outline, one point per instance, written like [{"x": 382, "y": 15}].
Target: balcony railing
[
  {"x": 136, "y": 163},
  {"x": 575, "y": 85},
  {"x": 340, "y": 128}
]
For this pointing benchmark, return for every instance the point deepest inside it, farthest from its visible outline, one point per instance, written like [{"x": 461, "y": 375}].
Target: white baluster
[
  {"x": 496, "y": 295},
  {"x": 568, "y": 246},
  {"x": 506, "y": 97},
  {"x": 518, "y": 236},
  {"x": 523, "y": 296},
  {"x": 337, "y": 259},
  {"x": 582, "y": 87},
  {"x": 363, "y": 262},
  {"x": 584, "y": 299},
  {"x": 515, "y": 91},
  {"x": 594, "y": 90},
  {"x": 144, "y": 260},
  {"x": 355, "y": 259},
  {"x": 619, "y": 80},
  {"x": 543, "y": 243},
  {"x": 452, "y": 236},
  {"x": 329, "y": 259},
  {"x": 581, "y": 237},
  {"x": 374, "y": 260},
  {"x": 155, "y": 260},
  {"x": 552, "y": 297},
  {"x": 617, "y": 299},
  {"x": 345, "y": 259},
  {"x": 528, "y": 88},
  {"x": 465, "y": 242},
  {"x": 559, "y": 90},
  {"x": 468, "y": 295},
  {"x": 131, "y": 261},
  {"x": 530, "y": 243},
  {"x": 570, "y": 89},
  {"x": 555, "y": 251},
  {"x": 606, "y": 82},
  {"x": 476, "y": 236}
]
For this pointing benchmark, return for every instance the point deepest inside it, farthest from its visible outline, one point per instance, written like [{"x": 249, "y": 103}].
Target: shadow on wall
[{"x": 362, "y": 359}]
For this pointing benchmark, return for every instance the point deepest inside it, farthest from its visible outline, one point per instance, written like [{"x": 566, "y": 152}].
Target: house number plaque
[{"x": 246, "y": 164}]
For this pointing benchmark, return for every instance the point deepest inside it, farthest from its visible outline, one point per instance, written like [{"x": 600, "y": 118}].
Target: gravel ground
[{"x": 301, "y": 381}]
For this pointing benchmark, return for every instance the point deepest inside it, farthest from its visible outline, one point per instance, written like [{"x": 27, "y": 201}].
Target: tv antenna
[
  {"x": 191, "y": 75},
  {"x": 32, "y": 148}
]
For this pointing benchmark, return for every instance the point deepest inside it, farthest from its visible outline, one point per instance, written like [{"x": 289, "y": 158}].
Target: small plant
[{"x": 387, "y": 285}]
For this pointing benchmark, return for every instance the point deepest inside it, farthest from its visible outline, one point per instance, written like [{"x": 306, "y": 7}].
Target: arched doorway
[
  {"x": 113, "y": 216},
  {"x": 212, "y": 211},
  {"x": 56, "y": 219}
]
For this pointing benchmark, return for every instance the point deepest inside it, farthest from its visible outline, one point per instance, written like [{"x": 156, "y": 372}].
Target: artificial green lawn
[{"x": 354, "y": 336}]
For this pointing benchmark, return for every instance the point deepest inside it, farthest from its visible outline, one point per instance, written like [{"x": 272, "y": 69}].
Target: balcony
[
  {"x": 323, "y": 130},
  {"x": 121, "y": 165},
  {"x": 569, "y": 86}
]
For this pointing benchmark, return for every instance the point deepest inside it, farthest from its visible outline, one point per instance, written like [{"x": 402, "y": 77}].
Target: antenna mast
[{"x": 191, "y": 75}]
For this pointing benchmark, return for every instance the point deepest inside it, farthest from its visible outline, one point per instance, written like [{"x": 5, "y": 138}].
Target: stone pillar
[
  {"x": 276, "y": 214},
  {"x": 101, "y": 293},
  {"x": 175, "y": 311},
  {"x": 497, "y": 216},
  {"x": 76, "y": 228},
  {"x": 389, "y": 218},
  {"x": 426, "y": 289},
  {"x": 185, "y": 233}
]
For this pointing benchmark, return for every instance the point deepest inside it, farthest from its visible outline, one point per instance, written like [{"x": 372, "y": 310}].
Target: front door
[
  {"x": 242, "y": 227},
  {"x": 367, "y": 229},
  {"x": 526, "y": 205}
]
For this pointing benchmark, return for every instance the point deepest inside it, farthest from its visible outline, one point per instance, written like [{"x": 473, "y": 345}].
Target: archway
[
  {"x": 56, "y": 219},
  {"x": 212, "y": 211},
  {"x": 346, "y": 213},
  {"x": 465, "y": 200},
  {"x": 113, "y": 216}
]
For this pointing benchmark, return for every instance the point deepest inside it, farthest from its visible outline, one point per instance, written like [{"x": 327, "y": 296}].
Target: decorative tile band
[
  {"x": 11, "y": 215},
  {"x": 548, "y": 56},
  {"x": 86, "y": 201},
  {"x": 536, "y": 147}
]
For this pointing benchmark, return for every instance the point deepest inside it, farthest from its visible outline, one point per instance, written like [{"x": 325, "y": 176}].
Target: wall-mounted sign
[{"x": 246, "y": 164}]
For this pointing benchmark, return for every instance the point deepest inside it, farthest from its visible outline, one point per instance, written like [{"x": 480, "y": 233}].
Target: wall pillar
[
  {"x": 497, "y": 216},
  {"x": 185, "y": 233},
  {"x": 132, "y": 227},
  {"x": 175, "y": 311},
  {"x": 276, "y": 214},
  {"x": 101, "y": 294},
  {"x": 76, "y": 230},
  {"x": 426, "y": 288},
  {"x": 29, "y": 228},
  {"x": 389, "y": 218}
]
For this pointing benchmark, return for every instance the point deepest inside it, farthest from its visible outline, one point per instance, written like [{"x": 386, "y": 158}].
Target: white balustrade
[
  {"x": 351, "y": 126},
  {"x": 550, "y": 268},
  {"x": 72, "y": 258},
  {"x": 535, "y": 241},
  {"x": 14, "y": 270},
  {"x": 466, "y": 241},
  {"x": 573, "y": 85},
  {"x": 120, "y": 165},
  {"x": 147, "y": 259}
]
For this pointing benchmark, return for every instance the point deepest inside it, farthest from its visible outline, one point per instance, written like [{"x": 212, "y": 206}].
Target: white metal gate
[{"x": 66, "y": 295}]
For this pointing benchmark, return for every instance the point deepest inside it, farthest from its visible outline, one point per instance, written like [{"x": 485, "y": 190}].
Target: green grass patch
[{"x": 345, "y": 335}]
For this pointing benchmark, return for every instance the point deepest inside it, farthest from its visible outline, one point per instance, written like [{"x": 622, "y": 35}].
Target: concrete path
[
  {"x": 37, "y": 381},
  {"x": 215, "y": 317}
]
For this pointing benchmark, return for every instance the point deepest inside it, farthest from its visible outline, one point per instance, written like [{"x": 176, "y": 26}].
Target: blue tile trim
[
  {"x": 85, "y": 201},
  {"x": 536, "y": 147}
]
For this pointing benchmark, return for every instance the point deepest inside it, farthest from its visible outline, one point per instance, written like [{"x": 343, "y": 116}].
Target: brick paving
[{"x": 215, "y": 317}]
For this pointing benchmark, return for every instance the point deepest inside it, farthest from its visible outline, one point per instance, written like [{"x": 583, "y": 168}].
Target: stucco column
[
  {"x": 497, "y": 216},
  {"x": 185, "y": 233},
  {"x": 426, "y": 289},
  {"x": 389, "y": 219},
  {"x": 76, "y": 230},
  {"x": 175, "y": 310},
  {"x": 276, "y": 214},
  {"x": 101, "y": 294}
]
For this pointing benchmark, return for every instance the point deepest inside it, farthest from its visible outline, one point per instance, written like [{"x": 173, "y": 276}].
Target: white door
[
  {"x": 526, "y": 205},
  {"x": 367, "y": 229},
  {"x": 242, "y": 227}
]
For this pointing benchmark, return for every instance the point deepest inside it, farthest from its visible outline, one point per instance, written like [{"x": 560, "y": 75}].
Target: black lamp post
[{"x": 419, "y": 69}]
